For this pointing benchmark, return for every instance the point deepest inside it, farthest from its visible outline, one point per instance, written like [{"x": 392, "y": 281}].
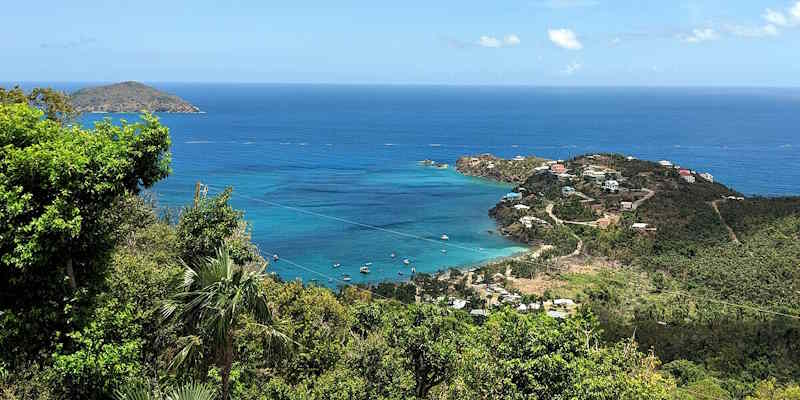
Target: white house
[
  {"x": 521, "y": 207},
  {"x": 707, "y": 176},
  {"x": 557, "y": 314},
  {"x": 594, "y": 175},
  {"x": 665, "y": 163},
  {"x": 528, "y": 221},
  {"x": 563, "y": 302},
  {"x": 611, "y": 185},
  {"x": 519, "y": 158},
  {"x": 639, "y": 226},
  {"x": 459, "y": 304},
  {"x": 688, "y": 178},
  {"x": 626, "y": 205},
  {"x": 481, "y": 313}
]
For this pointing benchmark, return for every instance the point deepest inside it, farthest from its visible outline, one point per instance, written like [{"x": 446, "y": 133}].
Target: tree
[
  {"x": 189, "y": 391},
  {"x": 210, "y": 223},
  {"x": 428, "y": 338},
  {"x": 56, "y": 182},
  {"x": 210, "y": 305},
  {"x": 56, "y": 105}
]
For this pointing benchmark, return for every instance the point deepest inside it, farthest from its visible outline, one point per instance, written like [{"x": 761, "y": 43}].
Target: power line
[{"x": 413, "y": 236}]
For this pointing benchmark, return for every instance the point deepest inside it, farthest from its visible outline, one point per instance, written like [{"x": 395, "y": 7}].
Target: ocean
[{"x": 329, "y": 174}]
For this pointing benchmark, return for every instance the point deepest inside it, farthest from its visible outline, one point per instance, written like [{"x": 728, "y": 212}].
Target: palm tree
[
  {"x": 209, "y": 306},
  {"x": 189, "y": 391}
]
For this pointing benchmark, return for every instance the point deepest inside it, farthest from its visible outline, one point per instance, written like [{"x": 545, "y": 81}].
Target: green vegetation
[
  {"x": 100, "y": 298},
  {"x": 128, "y": 97}
]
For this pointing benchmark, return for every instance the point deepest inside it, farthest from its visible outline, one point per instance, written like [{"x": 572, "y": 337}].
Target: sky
[{"x": 463, "y": 42}]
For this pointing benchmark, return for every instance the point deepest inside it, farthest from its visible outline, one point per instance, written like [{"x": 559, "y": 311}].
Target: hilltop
[{"x": 128, "y": 97}]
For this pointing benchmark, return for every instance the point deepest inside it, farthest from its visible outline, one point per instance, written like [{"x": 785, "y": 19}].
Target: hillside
[
  {"x": 128, "y": 97},
  {"x": 699, "y": 274}
]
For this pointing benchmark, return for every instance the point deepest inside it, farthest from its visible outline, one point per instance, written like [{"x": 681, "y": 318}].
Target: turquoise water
[{"x": 345, "y": 158}]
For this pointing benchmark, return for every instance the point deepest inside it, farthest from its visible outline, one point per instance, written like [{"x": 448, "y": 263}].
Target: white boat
[
  {"x": 346, "y": 279},
  {"x": 337, "y": 265},
  {"x": 392, "y": 255},
  {"x": 275, "y": 257},
  {"x": 444, "y": 237},
  {"x": 444, "y": 250},
  {"x": 406, "y": 261},
  {"x": 364, "y": 270},
  {"x": 413, "y": 270},
  {"x": 367, "y": 264}
]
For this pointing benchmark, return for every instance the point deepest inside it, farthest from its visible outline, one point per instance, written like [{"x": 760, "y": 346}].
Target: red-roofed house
[{"x": 684, "y": 172}]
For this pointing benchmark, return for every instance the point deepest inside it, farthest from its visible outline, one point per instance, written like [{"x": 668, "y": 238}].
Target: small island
[{"x": 127, "y": 97}]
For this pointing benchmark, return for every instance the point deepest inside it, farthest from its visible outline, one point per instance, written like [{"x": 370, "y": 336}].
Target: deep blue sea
[{"x": 328, "y": 174}]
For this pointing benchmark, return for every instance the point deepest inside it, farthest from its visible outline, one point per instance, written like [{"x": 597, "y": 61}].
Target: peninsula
[{"x": 128, "y": 97}]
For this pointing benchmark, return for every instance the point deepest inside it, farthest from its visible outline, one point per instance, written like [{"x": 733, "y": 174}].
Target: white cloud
[
  {"x": 489, "y": 41},
  {"x": 700, "y": 35},
  {"x": 493, "y": 42},
  {"x": 564, "y": 38},
  {"x": 511, "y": 40},
  {"x": 753, "y": 31},
  {"x": 572, "y": 68},
  {"x": 795, "y": 11},
  {"x": 775, "y": 17}
]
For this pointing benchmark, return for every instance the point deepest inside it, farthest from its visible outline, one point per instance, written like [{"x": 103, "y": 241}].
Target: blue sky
[{"x": 507, "y": 42}]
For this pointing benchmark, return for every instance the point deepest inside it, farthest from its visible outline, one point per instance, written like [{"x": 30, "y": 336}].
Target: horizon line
[{"x": 440, "y": 84}]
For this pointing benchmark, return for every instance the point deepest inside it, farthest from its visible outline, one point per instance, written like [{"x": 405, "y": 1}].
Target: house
[
  {"x": 604, "y": 222},
  {"x": 626, "y": 205},
  {"x": 594, "y": 175},
  {"x": 558, "y": 168},
  {"x": 513, "y": 196},
  {"x": 707, "y": 176},
  {"x": 541, "y": 169},
  {"x": 519, "y": 158},
  {"x": 611, "y": 185},
  {"x": 567, "y": 191},
  {"x": 564, "y": 302},
  {"x": 479, "y": 313},
  {"x": 630, "y": 158},
  {"x": 529, "y": 220},
  {"x": 684, "y": 172},
  {"x": 521, "y": 207},
  {"x": 557, "y": 314},
  {"x": 522, "y": 308},
  {"x": 639, "y": 226},
  {"x": 665, "y": 163},
  {"x": 688, "y": 178},
  {"x": 459, "y": 304}
]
